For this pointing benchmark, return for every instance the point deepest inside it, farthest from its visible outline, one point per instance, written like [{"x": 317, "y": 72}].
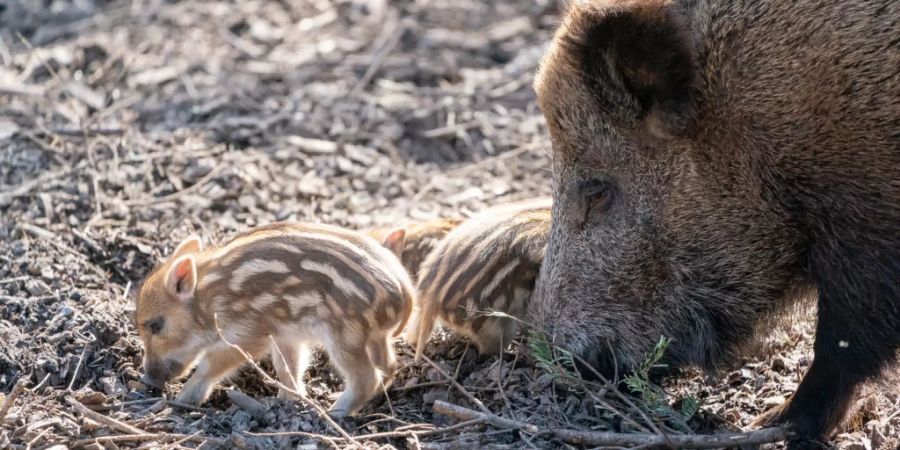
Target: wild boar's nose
[{"x": 150, "y": 381}]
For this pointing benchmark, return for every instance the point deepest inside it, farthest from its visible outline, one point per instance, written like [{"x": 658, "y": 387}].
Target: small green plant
[
  {"x": 560, "y": 365},
  {"x": 689, "y": 407},
  {"x": 555, "y": 361},
  {"x": 652, "y": 397}
]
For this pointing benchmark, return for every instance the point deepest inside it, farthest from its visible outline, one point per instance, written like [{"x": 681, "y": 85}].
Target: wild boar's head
[{"x": 660, "y": 227}]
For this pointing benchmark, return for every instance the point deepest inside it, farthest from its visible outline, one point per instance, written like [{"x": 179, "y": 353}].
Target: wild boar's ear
[
  {"x": 645, "y": 47},
  {"x": 189, "y": 246},
  {"x": 181, "y": 280},
  {"x": 395, "y": 241}
]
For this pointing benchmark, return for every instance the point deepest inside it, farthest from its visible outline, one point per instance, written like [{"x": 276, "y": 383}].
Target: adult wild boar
[{"x": 714, "y": 161}]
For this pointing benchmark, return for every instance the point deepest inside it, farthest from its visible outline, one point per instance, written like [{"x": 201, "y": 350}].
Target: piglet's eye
[{"x": 155, "y": 325}]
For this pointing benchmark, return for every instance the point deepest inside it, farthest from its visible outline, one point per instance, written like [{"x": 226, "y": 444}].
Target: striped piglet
[
  {"x": 490, "y": 262},
  {"x": 277, "y": 289},
  {"x": 421, "y": 240}
]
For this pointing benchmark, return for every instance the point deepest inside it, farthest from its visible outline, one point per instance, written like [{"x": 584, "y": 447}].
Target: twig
[
  {"x": 458, "y": 386},
  {"x": 459, "y": 412},
  {"x": 27, "y": 186},
  {"x": 381, "y": 435},
  {"x": 450, "y": 129},
  {"x": 88, "y": 132},
  {"x": 108, "y": 421},
  {"x": 653, "y": 425},
  {"x": 146, "y": 437},
  {"x": 506, "y": 402},
  {"x": 719, "y": 440},
  {"x": 245, "y": 402},
  {"x": 602, "y": 438},
  {"x": 130, "y": 429},
  {"x": 14, "y": 279},
  {"x": 39, "y": 232},
  {"x": 187, "y": 407},
  {"x": 77, "y": 369},
  {"x": 42, "y": 384},
  {"x": 200, "y": 183},
  {"x": 177, "y": 443},
  {"x": 11, "y": 398},
  {"x": 418, "y": 386},
  {"x": 88, "y": 242},
  {"x": 33, "y": 52},
  {"x": 378, "y": 59}
]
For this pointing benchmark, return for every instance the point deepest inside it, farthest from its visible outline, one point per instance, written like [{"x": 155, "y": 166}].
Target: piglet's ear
[
  {"x": 181, "y": 280},
  {"x": 395, "y": 241},
  {"x": 189, "y": 246}
]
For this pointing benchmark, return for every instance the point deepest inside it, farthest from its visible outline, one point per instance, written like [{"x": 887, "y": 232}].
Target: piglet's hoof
[
  {"x": 338, "y": 413},
  {"x": 190, "y": 396}
]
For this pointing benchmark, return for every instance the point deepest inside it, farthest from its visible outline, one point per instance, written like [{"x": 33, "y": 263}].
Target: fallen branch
[
  {"x": 460, "y": 412},
  {"x": 382, "y": 435},
  {"x": 602, "y": 438}
]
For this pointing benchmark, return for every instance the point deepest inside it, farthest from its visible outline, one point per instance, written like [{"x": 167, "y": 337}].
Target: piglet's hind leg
[
  {"x": 360, "y": 380},
  {"x": 382, "y": 355},
  {"x": 290, "y": 358}
]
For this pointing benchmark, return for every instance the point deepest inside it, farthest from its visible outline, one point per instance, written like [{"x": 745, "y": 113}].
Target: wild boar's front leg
[{"x": 217, "y": 364}]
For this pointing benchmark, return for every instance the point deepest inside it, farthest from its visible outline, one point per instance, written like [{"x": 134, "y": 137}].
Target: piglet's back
[
  {"x": 292, "y": 271},
  {"x": 421, "y": 239},
  {"x": 490, "y": 262}
]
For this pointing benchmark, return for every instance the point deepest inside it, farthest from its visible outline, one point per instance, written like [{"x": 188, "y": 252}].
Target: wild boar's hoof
[{"x": 151, "y": 382}]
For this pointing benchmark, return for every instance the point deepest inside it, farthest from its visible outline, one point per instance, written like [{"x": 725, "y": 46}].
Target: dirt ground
[{"x": 127, "y": 125}]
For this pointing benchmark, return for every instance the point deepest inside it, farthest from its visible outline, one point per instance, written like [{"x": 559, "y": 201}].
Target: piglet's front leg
[{"x": 216, "y": 365}]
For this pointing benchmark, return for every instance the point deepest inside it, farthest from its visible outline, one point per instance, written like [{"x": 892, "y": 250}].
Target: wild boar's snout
[{"x": 562, "y": 308}]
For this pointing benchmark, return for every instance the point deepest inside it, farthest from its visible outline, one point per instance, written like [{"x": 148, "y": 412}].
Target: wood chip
[{"x": 245, "y": 402}]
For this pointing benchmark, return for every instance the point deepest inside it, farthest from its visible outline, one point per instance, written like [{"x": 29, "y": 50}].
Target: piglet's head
[{"x": 164, "y": 316}]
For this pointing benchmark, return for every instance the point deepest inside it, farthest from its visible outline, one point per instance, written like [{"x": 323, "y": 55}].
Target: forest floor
[{"x": 125, "y": 126}]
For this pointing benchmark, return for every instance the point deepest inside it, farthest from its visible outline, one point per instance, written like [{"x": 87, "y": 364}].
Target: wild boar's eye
[
  {"x": 155, "y": 325},
  {"x": 596, "y": 195}
]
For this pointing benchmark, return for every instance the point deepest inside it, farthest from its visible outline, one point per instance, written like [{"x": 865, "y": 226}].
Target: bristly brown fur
[
  {"x": 713, "y": 161},
  {"x": 642, "y": 47}
]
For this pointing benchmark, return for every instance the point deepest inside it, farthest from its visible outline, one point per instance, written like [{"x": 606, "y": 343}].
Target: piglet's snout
[{"x": 157, "y": 373}]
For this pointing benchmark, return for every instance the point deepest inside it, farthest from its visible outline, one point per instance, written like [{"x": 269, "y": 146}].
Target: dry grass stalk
[{"x": 607, "y": 439}]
